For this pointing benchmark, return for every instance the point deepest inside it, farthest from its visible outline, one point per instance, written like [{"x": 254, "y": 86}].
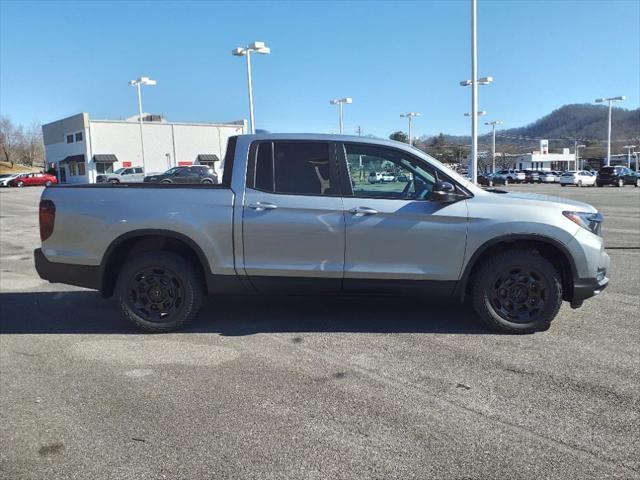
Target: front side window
[
  {"x": 379, "y": 172},
  {"x": 299, "y": 168}
]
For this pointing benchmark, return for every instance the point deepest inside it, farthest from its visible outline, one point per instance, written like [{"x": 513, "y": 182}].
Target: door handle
[
  {"x": 260, "y": 206},
  {"x": 362, "y": 211}
]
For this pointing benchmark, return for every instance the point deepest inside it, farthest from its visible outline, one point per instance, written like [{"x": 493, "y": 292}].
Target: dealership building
[
  {"x": 79, "y": 148},
  {"x": 543, "y": 160}
]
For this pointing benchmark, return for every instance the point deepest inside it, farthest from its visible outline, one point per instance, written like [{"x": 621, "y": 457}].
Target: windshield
[
  {"x": 172, "y": 170},
  {"x": 119, "y": 171}
]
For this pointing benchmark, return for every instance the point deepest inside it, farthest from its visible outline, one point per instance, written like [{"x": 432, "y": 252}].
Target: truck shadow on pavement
[{"x": 85, "y": 312}]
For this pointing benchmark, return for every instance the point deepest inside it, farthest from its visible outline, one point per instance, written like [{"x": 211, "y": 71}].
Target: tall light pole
[
  {"x": 629, "y": 147},
  {"x": 577, "y": 153},
  {"x": 493, "y": 142},
  {"x": 340, "y": 102},
  {"x": 474, "y": 82},
  {"x": 610, "y": 100},
  {"x": 257, "y": 47},
  {"x": 138, "y": 82},
  {"x": 410, "y": 116}
]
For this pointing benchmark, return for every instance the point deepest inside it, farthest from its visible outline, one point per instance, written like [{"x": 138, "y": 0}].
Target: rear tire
[
  {"x": 20, "y": 184},
  {"x": 517, "y": 291},
  {"x": 159, "y": 291}
]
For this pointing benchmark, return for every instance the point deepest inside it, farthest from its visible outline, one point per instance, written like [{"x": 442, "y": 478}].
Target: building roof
[
  {"x": 105, "y": 158},
  {"x": 73, "y": 158},
  {"x": 206, "y": 157}
]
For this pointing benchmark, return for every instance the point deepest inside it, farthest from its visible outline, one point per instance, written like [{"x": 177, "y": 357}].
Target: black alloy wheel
[
  {"x": 519, "y": 294},
  {"x": 155, "y": 293}
]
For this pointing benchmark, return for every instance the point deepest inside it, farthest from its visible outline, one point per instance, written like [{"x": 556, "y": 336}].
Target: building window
[
  {"x": 81, "y": 169},
  {"x": 70, "y": 138},
  {"x": 79, "y": 137},
  {"x": 102, "y": 167},
  {"x": 73, "y": 170}
]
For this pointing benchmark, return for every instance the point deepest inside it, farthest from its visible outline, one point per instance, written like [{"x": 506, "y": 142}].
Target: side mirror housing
[{"x": 444, "y": 192}]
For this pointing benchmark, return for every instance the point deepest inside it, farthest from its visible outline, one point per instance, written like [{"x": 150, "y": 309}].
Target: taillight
[{"x": 47, "y": 218}]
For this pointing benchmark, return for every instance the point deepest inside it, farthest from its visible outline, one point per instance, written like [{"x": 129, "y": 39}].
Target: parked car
[
  {"x": 579, "y": 178},
  {"x": 123, "y": 175},
  {"x": 6, "y": 178},
  {"x": 490, "y": 179},
  {"x": 531, "y": 176},
  {"x": 511, "y": 176},
  {"x": 202, "y": 174},
  {"x": 388, "y": 177},
  {"x": 549, "y": 177},
  {"x": 617, "y": 176},
  {"x": 33, "y": 179},
  {"x": 286, "y": 219}
]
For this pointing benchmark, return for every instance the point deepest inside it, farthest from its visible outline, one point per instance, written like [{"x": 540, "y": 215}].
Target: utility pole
[
  {"x": 629, "y": 147},
  {"x": 610, "y": 100},
  {"x": 493, "y": 143},
  {"x": 359, "y": 131}
]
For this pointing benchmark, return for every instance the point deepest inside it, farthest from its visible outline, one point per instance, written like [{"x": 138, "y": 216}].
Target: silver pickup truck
[{"x": 296, "y": 214}]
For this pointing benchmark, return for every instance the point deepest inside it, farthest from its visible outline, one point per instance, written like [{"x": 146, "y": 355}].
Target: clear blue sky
[{"x": 61, "y": 58}]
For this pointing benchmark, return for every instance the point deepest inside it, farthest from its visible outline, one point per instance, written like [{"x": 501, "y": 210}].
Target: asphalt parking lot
[{"x": 275, "y": 388}]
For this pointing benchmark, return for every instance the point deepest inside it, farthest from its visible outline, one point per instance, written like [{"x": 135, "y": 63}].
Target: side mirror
[{"x": 444, "y": 192}]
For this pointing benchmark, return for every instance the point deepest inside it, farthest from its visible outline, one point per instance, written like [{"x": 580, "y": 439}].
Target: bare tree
[
  {"x": 20, "y": 145},
  {"x": 9, "y": 140}
]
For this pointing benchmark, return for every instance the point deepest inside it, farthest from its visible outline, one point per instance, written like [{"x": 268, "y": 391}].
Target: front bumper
[{"x": 87, "y": 276}]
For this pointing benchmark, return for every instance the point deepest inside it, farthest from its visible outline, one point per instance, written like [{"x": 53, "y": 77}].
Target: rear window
[{"x": 298, "y": 168}]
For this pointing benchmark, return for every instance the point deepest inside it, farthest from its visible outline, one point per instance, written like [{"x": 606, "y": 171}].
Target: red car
[{"x": 30, "y": 179}]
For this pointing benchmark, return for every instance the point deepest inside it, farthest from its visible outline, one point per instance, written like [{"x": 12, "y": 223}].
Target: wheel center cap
[
  {"x": 156, "y": 293},
  {"x": 518, "y": 294}
]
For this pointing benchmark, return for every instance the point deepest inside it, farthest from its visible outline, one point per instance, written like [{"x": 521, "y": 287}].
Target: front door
[
  {"x": 395, "y": 235},
  {"x": 293, "y": 222}
]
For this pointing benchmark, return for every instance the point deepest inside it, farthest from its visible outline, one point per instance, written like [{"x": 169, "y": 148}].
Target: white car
[
  {"x": 549, "y": 177},
  {"x": 511, "y": 176},
  {"x": 123, "y": 175},
  {"x": 6, "y": 178},
  {"x": 579, "y": 178}
]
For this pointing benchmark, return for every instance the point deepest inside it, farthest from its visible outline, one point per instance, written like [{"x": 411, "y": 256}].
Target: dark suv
[
  {"x": 618, "y": 176},
  {"x": 192, "y": 174}
]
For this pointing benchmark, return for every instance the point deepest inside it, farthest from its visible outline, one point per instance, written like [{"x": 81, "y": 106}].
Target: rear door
[
  {"x": 395, "y": 235},
  {"x": 293, "y": 222}
]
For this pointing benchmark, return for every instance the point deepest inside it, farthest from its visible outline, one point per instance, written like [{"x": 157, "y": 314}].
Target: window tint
[
  {"x": 264, "y": 167},
  {"x": 378, "y": 172},
  {"x": 293, "y": 167}
]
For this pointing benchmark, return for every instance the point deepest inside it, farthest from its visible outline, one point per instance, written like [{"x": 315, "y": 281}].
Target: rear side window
[{"x": 298, "y": 168}]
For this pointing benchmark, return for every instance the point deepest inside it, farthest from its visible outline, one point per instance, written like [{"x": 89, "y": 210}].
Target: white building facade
[
  {"x": 545, "y": 161},
  {"x": 80, "y": 149}
]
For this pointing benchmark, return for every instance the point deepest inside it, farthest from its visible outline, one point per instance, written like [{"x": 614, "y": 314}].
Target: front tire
[
  {"x": 517, "y": 291},
  {"x": 620, "y": 183},
  {"x": 579, "y": 184},
  {"x": 159, "y": 291}
]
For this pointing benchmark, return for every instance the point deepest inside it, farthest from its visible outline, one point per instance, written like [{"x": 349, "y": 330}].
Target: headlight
[{"x": 590, "y": 221}]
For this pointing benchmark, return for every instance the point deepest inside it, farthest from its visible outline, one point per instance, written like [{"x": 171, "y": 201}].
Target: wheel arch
[
  {"x": 137, "y": 241},
  {"x": 549, "y": 248}
]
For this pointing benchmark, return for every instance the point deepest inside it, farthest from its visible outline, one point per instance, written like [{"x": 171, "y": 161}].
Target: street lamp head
[
  {"x": 347, "y": 100},
  {"x": 485, "y": 80},
  {"x": 341, "y": 100},
  {"x": 495, "y": 122},
  {"x": 238, "y": 52},
  {"x": 264, "y": 51},
  {"x": 142, "y": 81},
  {"x": 601, "y": 100},
  {"x": 465, "y": 83},
  {"x": 257, "y": 45},
  {"x": 410, "y": 114},
  {"x": 480, "y": 113},
  {"x": 620, "y": 98}
]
